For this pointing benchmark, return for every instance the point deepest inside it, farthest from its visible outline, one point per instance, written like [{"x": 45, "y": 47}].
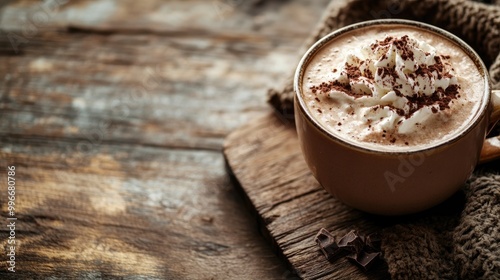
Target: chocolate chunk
[
  {"x": 327, "y": 244},
  {"x": 364, "y": 251},
  {"x": 373, "y": 242},
  {"x": 352, "y": 242},
  {"x": 364, "y": 260}
]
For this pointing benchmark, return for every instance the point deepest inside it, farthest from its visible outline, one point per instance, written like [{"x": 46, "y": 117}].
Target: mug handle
[{"x": 491, "y": 146}]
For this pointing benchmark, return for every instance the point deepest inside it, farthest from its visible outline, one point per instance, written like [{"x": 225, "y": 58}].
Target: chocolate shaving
[
  {"x": 353, "y": 72},
  {"x": 387, "y": 41},
  {"x": 402, "y": 45},
  {"x": 326, "y": 88}
]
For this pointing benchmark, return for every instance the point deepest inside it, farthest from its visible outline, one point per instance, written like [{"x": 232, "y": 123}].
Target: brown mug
[{"x": 423, "y": 178}]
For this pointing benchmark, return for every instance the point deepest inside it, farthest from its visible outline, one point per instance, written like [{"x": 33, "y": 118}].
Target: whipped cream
[{"x": 393, "y": 85}]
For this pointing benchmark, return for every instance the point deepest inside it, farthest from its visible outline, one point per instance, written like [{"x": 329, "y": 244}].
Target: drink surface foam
[{"x": 392, "y": 88}]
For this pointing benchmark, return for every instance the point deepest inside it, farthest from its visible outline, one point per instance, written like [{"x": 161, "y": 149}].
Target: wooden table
[{"x": 113, "y": 114}]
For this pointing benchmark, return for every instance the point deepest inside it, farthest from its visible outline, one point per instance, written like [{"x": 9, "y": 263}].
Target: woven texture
[{"x": 459, "y": 239}]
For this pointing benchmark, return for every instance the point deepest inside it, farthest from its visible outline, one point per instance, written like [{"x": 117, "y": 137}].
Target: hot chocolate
[{"x": 393, "y": 88}]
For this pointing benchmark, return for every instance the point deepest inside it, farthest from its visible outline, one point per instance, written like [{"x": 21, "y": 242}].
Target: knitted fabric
[{"x": 459, "y": 239}]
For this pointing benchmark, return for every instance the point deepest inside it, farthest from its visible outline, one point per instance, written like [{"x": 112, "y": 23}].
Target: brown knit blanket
[{"x": 461, "y": 238}]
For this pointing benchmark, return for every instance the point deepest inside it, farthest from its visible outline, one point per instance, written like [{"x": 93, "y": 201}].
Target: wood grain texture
[
  {"x": 490, "y": 150},
  {"x": 267, "y": 162},
  {"x": 114, "y": 114},
  {"x": 147, "y": 83},
  {"x": 131, "y": 211}
]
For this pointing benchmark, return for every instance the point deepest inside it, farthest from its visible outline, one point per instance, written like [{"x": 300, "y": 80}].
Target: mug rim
[{"x": 309, "y": 54}]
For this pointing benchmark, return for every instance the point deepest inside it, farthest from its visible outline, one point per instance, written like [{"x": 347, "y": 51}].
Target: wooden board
[{"x": 291, "y": 206}]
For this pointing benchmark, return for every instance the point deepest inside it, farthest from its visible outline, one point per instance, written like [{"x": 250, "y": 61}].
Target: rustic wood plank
[
  {"x": 149, "y": 78},
  {"x": 127, "y": 88},
  {"x": 31, "y": 17},
  {"x": 267, "y": 162},
  {"x": 133, "y": 211}
]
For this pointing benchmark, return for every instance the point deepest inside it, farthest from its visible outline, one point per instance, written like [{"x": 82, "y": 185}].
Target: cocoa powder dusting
[
  {"x": 402, "y": 45},
  {"x": 440, "y": 97},
  {"x": 353, "y": 72},
  {"x": 326, "y": 88}
]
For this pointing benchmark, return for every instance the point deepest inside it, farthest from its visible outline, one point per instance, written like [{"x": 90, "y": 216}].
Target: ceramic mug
[{"x": 360, "y": 177}]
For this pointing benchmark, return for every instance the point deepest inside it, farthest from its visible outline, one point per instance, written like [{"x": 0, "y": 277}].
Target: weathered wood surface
[
  {"x": 114, "y": 114},
  {"x": 266, "y": 160}
]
